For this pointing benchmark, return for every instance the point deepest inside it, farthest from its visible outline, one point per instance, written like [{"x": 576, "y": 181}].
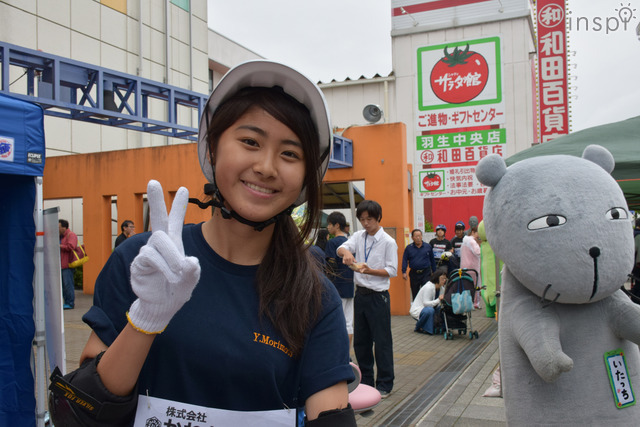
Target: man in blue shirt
[{"x": 419, "y": 257}]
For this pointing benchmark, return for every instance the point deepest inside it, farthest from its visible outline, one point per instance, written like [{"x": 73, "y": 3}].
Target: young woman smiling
[{"x": 229, "y": 320}]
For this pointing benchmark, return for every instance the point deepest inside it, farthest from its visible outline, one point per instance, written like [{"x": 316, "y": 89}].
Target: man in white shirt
[{"x": 373, "y": 255}]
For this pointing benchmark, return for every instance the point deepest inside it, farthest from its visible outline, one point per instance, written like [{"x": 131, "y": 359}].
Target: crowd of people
[
  {"x": 360, "y": 266},
  {"x": 429, "y": 265}
]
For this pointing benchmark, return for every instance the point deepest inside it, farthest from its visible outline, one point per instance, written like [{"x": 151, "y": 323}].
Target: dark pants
[
  {"x": 417, "y": 280},
  {"x": 68, "y": 289},
  {"x": 427, "y": 319},
  {"x": 372, "y": 329}
]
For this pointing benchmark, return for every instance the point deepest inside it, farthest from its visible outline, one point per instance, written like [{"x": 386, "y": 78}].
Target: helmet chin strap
[{"x": 217, "y": 200}]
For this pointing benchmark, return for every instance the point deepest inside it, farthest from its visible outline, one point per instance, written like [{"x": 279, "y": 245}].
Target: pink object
[
  {"x": 470, "y": 257},
  {"x": 362, "y": 397}
]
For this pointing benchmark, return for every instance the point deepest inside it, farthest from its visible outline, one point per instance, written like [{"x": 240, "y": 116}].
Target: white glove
[{"x": 161, "y": 275}]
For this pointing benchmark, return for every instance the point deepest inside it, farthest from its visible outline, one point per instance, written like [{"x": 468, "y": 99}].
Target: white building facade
[{"x": 169, "y": 41}]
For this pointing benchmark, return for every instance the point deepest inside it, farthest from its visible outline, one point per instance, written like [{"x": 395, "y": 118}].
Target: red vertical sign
[{"x": 552, "y": 69}]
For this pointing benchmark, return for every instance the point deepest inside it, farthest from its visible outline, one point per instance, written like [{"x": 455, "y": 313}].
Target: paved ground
[
  {"x": 76, "y": 332},
  {"x": 438, "y": 382},
  {"x": 462, "y": 403}
]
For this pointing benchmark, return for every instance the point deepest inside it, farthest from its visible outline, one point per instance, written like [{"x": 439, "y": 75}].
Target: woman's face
[
  {"x": 442, "y": 280},
  {"x": 259, "y": 164}
]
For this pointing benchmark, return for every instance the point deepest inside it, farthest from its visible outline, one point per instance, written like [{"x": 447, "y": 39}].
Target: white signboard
[{"x": 449, "y": 182}]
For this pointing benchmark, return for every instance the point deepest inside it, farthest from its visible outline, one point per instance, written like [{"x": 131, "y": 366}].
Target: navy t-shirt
[
  {"x": 439, "y": 247},
  {"x": 342, "y": 275},
  {"x": 216, "y": 352},
  {"x": 456, "y": 243}
]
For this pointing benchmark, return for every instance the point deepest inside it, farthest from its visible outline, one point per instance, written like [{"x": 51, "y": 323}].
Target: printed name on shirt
[{"x": 265, "y": 339}]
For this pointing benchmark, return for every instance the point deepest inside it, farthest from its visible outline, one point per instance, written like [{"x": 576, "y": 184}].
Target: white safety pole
[{"x": 38, "y": 289}]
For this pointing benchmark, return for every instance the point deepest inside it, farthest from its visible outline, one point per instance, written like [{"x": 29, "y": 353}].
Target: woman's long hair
[{"x": 289, "y": 282}]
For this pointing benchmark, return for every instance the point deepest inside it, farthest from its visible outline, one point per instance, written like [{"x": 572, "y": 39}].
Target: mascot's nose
[{"x": 594, "y": 252}]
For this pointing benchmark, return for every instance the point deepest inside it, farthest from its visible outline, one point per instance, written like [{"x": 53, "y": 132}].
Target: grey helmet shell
[{"x": 260, "y": 73}]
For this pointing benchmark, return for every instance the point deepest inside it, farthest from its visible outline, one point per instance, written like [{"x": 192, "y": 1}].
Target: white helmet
[{"x": 268, "y": 74}]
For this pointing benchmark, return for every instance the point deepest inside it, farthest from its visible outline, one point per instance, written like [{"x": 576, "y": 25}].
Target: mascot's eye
[
  {"x": 617, "y": 213},
  {"x": 546, "y": 222}
]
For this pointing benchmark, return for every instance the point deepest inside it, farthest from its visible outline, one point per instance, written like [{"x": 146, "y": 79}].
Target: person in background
[
  {"x": 340, "y": 274},
  {"x": 473, "y": 223},
  {"x": 439, "y": 244},
  {"x": 317, "y": 250},
  {"x": 419, "y": 257},
  {"x": 322, "y": 237},
  {"x": 456, "y": 242},
  {"x": 470, "y": 259},
  {"x": 426, "y": 306},
  {"x": 373, "y": 255},
  {"x": 127, "y": 229},
  {"x": 68, "y": 244}
]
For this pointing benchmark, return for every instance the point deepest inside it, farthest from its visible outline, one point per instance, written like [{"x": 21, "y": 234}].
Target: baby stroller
[{"x": 458, "y": 303}]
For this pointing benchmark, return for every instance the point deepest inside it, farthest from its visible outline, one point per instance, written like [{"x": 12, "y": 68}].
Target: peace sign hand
[{"x": 162, "y": 276}]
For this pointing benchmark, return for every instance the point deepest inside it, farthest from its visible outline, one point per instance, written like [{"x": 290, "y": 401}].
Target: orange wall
[
  {"x": 96, "y": 177},
  {"x": 379, "y": 159}
]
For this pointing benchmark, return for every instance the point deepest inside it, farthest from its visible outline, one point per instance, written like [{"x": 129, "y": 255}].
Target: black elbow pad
[
  {"x": 80, "y": 399},
  {"x": 334, "y": 418}
]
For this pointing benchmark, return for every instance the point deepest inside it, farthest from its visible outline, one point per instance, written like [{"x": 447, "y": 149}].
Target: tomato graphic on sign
[
  {"x": 459, "y": 76},
  {"x": 432, "y": 181}
]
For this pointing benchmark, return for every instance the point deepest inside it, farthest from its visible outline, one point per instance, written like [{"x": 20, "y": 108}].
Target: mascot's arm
[
  {"x": 624, "y": 317},
  {"x": 536, "y": 329}
]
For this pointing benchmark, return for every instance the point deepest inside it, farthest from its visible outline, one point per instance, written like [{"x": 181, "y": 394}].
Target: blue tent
[{"x": 22, "y": 154}]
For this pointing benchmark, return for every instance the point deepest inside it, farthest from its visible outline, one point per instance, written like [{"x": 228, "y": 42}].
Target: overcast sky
[{"x": 336, "y": 39}]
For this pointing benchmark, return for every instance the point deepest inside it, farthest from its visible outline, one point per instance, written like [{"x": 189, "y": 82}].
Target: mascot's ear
[
  {"x": 600, "y": 156},
  {"x": 490, "y": 170}
]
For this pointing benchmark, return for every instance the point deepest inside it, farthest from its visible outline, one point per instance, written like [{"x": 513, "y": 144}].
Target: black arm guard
[
  {"x": 334, "y": 418},
  {"x": 80, "y": 399}
]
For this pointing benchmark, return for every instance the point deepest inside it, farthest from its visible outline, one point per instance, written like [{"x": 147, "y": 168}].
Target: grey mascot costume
[{"x": 568, "y": 334}]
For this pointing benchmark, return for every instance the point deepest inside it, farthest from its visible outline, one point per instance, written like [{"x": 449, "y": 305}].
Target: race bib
[{"x": 156, "y": 412}]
